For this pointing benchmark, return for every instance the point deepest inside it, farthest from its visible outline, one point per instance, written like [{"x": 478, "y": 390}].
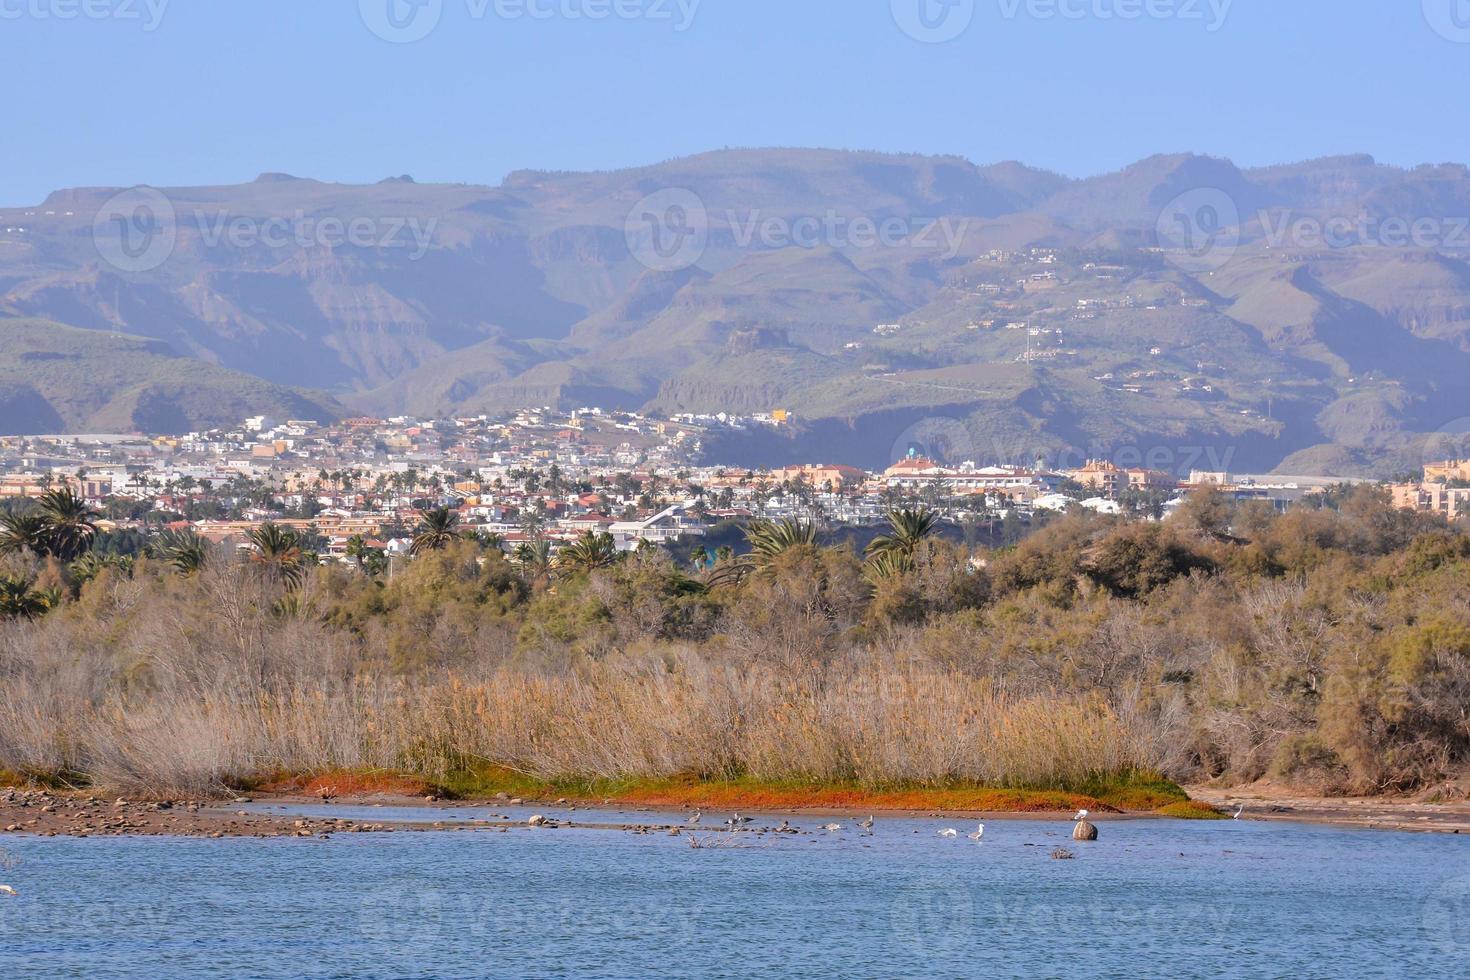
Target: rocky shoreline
[{"x": 39, "y": 813}]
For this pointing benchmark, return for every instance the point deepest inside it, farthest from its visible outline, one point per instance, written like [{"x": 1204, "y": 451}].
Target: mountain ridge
[{"x": 462, "y": 297}]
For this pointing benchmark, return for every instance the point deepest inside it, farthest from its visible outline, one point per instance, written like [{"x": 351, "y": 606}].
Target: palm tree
[
  {"x": 485, "y": 540},
  {"x": 70, "y": 524},
  {"x": 533, "y": 558},
  {"x": 19, "y": 601},
  {"x": 276, "y": 551},
  {"x": 884, "y": 565},
  {"x": 907, "y": 530},
  {"x": 588, "y": 553},
  {"x": 436, "y": 531},
  {"x": 20, "y": 533},
  {"x": 768, "y": 540},
  {"x": 185, "y": 551},
  {"x": 357, "y": 549},
  {"x": 93, "y": 564}
]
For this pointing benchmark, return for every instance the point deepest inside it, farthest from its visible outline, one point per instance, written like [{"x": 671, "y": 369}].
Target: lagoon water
[{"x": 1152, "y": 898}]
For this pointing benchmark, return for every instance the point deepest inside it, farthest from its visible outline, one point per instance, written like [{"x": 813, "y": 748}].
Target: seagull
[
  {"x": 694, "y": 820},
  {"x": 831, "y": 828},
  {"x": 738, "y": 821},
  {"x": 8, "y": 892},
  {"x": 949, "y": 832},
  {"x": 979, "y": 833},
  {"x": 866, "y": 824},
  {"x": 1081, "y": 815}
]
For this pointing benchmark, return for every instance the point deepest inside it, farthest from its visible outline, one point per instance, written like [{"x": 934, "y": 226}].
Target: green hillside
[{"x": 55, "y": 378}]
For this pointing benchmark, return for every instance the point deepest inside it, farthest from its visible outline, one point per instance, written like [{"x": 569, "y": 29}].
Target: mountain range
[{"x": 1182, "y": 312}]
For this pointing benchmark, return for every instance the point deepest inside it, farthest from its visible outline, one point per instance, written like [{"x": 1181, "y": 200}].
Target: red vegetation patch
[{"x": 349, "y": 784}]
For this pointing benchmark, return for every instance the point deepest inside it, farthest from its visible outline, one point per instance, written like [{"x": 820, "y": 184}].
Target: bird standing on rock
[{"x": 1081, "y": 815}]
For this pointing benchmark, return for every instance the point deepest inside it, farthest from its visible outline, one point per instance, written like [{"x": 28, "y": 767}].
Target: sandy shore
[{"x": 1374, "y": 814}]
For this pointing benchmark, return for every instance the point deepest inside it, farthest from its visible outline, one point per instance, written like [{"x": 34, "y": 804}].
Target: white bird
[
  {"x": 979, "y": 832},
  {"x": 1081, "y": 815},
  {"x": 738, "y": 821},
  {"x": 694, "y": 820},
  {"x": 831, "y": 828},
  {"x": 8, "y": 892},
  {"x": 866, "y": 824},
  {"x": 1239, "y": 812},
  {"x": 949, "y": 832}
]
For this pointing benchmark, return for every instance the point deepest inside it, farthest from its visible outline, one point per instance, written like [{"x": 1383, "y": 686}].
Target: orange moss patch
[{"x": 354, "y": 784}]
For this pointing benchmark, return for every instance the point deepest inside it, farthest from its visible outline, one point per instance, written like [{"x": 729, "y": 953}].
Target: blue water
[{"x": 1152, "y": 898}]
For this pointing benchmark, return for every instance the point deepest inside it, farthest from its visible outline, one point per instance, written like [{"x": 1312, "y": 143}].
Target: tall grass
[{"x": 628, "y": 719}]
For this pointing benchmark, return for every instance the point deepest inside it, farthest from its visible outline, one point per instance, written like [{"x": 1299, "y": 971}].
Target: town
[{"x": 361, "y": 486}]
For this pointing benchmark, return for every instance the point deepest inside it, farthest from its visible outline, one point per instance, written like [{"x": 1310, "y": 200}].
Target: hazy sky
[{"x": 120, "y": 92}]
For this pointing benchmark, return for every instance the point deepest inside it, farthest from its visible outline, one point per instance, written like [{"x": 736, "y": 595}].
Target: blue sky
[{"x": 203, "y": 91}]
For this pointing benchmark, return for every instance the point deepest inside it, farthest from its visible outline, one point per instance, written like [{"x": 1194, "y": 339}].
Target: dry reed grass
[{"x": 624, "y": 720}]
